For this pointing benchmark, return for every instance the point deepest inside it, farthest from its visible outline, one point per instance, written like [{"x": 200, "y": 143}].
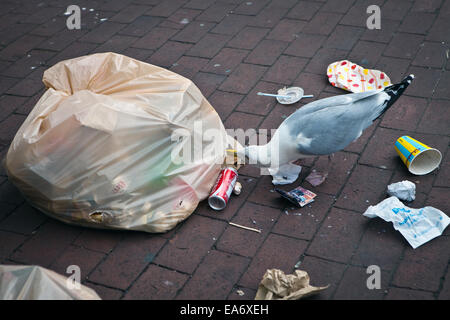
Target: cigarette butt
[{"x": 244, "y": 227}]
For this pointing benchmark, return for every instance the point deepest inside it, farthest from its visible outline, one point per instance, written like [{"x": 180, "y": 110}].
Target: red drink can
[{"x": 221, "y": 191}]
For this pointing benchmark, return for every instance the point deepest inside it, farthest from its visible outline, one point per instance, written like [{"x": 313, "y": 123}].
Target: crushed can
[{"x": 222, "y": 189}]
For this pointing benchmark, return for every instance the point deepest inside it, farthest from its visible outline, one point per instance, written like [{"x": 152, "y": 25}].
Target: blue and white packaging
[{"x": 418, "y": 226}]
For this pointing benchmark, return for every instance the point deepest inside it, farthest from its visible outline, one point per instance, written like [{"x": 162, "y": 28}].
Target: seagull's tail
[{"x": 396, "y": 90}]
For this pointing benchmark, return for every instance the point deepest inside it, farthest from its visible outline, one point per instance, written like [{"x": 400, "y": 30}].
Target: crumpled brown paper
[
  {"x": 38, "y": 283},
  {"x": 276, "y": 285}
]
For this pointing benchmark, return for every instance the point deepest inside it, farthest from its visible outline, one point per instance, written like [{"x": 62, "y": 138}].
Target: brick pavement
[{"x": 231, "y": 49}]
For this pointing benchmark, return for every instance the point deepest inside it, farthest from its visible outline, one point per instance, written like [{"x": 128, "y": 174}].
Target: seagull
[{"x": 322, "y": 127}]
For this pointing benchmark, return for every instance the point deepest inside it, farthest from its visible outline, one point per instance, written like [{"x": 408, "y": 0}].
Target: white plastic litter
[
  {"x": 404, "y": 190},
  {"x": 418, "y": 226}
]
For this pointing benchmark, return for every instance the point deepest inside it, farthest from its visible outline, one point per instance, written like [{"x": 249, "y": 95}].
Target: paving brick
[
  {"x": 305, "y": 45},
  {"x": 47, "y": 244},
  {"x": 213, "y": 280},
  {"x": 209, "y": 45},
  {"x": 339, "y": 6},
  {"x": 338, "y": 236},
  {"x": 21, "y": 68},
  {"x": 442, "y": 88},
  {"x": 26, "y": 108},
  {"x": 424, "y": 82},
  {"x": 438, "y": 198},
  {"x": 408, "y": 294},
  {"x": 234, "y": 203},
  {"x": 431, "y": 54},
  {"x": 5, "y": 208},
  {"x": 395, "y": 10},
  {"x": 303, "y": 222},
  {"x": 372, "y": 248},
  {"x": 353, "y": 285},
  {"x": 189, "y": 245},
  {"x": 30, "y": 85},
  {"x": 166, "y": 8},
  {"x": 242, "y": 242},
  {"x": 103, "y": 32},
  {"x": 443, "y": 176},
  {"x": 224, "y": 102},
  {"x": 322, "y": 273},
  {"x": 268, "y": 17},
  {"x": 323, "y": 23},
  {"x": 61, "y": 40},
  {"x": 156, "y": 283},
  {"x": 243, "y": 78},
  {"x": 117, "y": 44},
  {"x": 199, "y": 4},
  {"x": 155, "y": 38},
  {"x": 245, "y": 121},
  {"x": 410, "y": 24},
  {"x": 85, "y": 259},
  {"x": 438, "y": 31},
  {"x": 251, "y": 8},
  {"x": 138, "y": 54},
  {"x": 339, "y": 168},
  {"x": 426, "y": 6},
  {"x": 10, "y": 242},
  {"x": 311, "y": 83},
  {"x": 25, "y": 219},
  {"x": 9, "y": 128},
  {"x": 226, "y": 61},
  {"x": 432, "y": 121},
  {"x": 285, "y": 70},
  {"x": 231, "y": 24},
  {"x": 323, "y": 58},
  {"x": 169, "y": 53},
  {"x": 116, "y": 5},
  {"x": 246, "y": 294},
  {"x": 75, "y": 50},
  {"x": 51, "y": 27},
  {"x": 405, "y": 114},
  {"x": 414, "y": 270},
  {"x": 397, "y": 67},
  {"x": 140, "y": 26},
  {"x": 14, "y": 35},
  {"x": 104, "y": 292},
  {"x": 404, "y": 45},
  {"x": 259, "y": 104},
  {"x": 286, "y": 30},
  {"x": 248, "y": 38},
  {"x": 99, "y": 240},
  {"x": 358, "y": 194},
  {"x": 129, "y": 13},
  {"x": 6, "y": 83},
  {"x": 366, "y": 53},
  {"x": 20, "y": 47},
  {"x": 376, "y": 153},
  {"x": 344, "y": 37},
  {"x": 265, "y": 194},
  {"x": 8, "y": 104},
  {"x": 445, "y": 292},
  {"x": 304, "y": 10},
  {"x": 389, "y": 27},
  {"x": 193, "y": 32},
  {"x": 216, "y": 12},
  {"x": 124, "y": 264},
  {"x": 189, "y": 66},
  {"x": 180, "y": 18},
  {"x": 270, "y": 256},
  {"x": 207, "y": 82}
]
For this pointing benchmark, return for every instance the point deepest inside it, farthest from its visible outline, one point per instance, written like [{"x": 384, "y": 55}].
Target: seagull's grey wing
[
  {"x": 331, "y": 129},
  {"x": 344, "y": 99}
]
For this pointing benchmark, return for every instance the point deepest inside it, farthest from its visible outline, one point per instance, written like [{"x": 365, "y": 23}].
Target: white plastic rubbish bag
[
  {"x": 118, "y": 143},
  {"x": 38, "y": 283},
  {"x": 418, "y": 226}
]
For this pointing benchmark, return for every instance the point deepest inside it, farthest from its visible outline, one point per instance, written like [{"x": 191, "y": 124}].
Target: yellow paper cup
[{"x": 419, "y": 158}]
